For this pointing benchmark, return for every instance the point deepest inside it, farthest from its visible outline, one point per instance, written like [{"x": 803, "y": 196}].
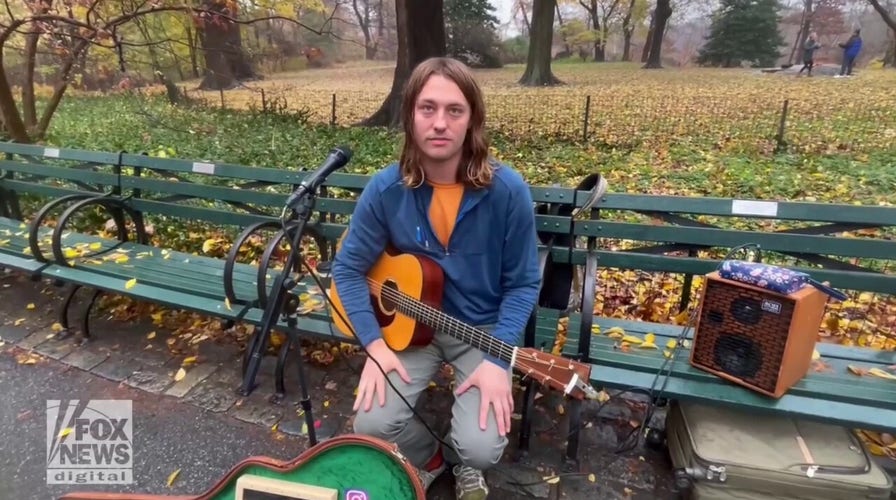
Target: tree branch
[{"x": 891, "y": 22}]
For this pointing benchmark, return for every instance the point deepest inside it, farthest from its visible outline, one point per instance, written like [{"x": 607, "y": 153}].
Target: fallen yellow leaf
[
  {"x": 151, "y": 335},
  {"x": 181, "y": 373},
  {"x": 130, "y": 283},
  {"x": 30, "y": 306},
  {"x": 65, "y": 432},
  {"x": 648, "y": 345},
  {"x": 57, "y": 327},
  {"x": 815, "y": 354},
  {"x": 188, "y": 360},
  {"x": 877, "y": 372},
  {"x": 856, "y": 370},
  {"x": 592, "y": 478},
  {"x": 552, "y": 479},
  {"x": 227, "y": 304},
  {"x": 172, "y": 477},
  {"x": 631, "y": 339},
  {"x": 649, "y": 338},
  {"x": 671, "y": 344},
  {"x": 19, "y": 321},
  {"x": 96, "y": 245}
]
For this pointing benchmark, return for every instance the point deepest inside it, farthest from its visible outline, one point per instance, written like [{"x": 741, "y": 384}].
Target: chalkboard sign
[{"x": 251, "y": 487}]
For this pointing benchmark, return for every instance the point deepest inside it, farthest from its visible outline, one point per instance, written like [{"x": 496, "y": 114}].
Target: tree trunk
[
  {"x": 416, "y": 43},
  {"x": 663, "y": 11},
  {"x": 804, "y": 30},
  {"x": 12, "y": 119},
  {"x": 627, "y": 31},
  {"x": 225, "y": 62},
  {"x": 645, "y": 52},
  {"x": 538, "y": 64}
]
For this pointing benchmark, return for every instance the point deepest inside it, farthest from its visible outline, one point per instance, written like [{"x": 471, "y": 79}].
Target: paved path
[{"x": 200, "y": 426}]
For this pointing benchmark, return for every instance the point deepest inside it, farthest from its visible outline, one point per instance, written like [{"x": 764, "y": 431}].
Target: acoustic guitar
[{"x": 406, "y": 293}]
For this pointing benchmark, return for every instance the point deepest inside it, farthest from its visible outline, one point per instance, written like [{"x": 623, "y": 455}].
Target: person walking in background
[
  {"x": 809, "y": 49},
  {"x": 851, "y": 50}
]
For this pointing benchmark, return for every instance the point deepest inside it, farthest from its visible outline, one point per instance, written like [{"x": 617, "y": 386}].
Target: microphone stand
[{"x": 275, "y": 307}]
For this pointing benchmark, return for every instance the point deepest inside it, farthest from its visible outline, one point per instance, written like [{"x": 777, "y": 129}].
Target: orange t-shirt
[{"x": 443, "y": 209}]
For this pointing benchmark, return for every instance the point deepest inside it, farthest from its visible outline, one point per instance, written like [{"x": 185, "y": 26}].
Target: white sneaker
[{"x": 428, "y": 477}]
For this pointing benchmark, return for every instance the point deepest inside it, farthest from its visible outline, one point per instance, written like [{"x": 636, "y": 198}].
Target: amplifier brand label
[{"x": 771, "y": 306}]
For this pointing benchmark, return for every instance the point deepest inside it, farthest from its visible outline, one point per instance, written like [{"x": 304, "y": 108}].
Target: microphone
[{"x": 337, "y": 159}]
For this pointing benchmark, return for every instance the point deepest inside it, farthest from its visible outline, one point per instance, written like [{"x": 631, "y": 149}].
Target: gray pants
[{"x": 396, "y": 423}]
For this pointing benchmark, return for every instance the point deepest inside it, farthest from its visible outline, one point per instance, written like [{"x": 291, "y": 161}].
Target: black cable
[{"x": 301, "y": 257}]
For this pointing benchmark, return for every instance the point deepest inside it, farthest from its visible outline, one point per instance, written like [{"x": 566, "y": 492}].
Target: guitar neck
[{"x": 442, "y": 322}]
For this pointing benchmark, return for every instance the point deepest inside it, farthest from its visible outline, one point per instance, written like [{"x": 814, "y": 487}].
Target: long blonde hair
[{"x": 475, "y": 166}]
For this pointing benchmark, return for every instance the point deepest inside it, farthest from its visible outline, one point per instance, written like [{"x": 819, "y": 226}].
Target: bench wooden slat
[
  {"x": 763, "y": 209},
  {"x": 205, "y": 191},
  {"x": 59, "y": 173},
  {"x": 36, "y": 150},
  {"x": 855, "y": 353},
  {"x": 850, "y": 280},
  {"x": 838, "y": 384},
  {"x": 834, "y": 412},
  {"x": 47, "y": 190},
  {"x": 215, "y": 216},
  {"x": 729, "y": 238}
]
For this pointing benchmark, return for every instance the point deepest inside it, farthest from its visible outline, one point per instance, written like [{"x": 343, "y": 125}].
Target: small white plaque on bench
[
  {"x": 51, "y": 152},
  {"x": 204, "y": 168},
  {"x": 749, "y": 207}
]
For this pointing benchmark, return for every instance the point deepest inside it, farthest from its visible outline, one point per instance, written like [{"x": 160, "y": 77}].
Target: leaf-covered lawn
[{"x": 692, "y": 132}]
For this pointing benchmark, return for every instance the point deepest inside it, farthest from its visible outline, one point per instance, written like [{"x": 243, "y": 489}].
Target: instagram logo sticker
[{"x": 356, "y": 495}]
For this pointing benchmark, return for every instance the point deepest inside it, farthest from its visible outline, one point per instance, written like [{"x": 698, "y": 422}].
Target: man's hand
[
  {"x": 494, "y": 390},
  {"x": 372, "y": 381}
]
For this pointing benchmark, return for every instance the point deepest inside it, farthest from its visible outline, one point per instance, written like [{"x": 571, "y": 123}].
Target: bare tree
[
  {"x": 890, "y": 21},
  {"x": 538, "y": 64},
  {"x": 417, "y": 42},
  {"x": 658, "y": 27}
]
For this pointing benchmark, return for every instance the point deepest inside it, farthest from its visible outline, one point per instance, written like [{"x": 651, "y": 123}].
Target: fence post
[
  {"x": 781, "y": 144},
  {"x": 264, "y": 102},
  {"x": 585, "y": 120},
  {"x": 333, "y": 111},
  {"x": 221, "y": 91}
]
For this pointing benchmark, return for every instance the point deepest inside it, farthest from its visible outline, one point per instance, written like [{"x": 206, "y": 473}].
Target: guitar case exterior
[
  {"x": 355, "y": 466},
  {"x": 723, "y": 454}
]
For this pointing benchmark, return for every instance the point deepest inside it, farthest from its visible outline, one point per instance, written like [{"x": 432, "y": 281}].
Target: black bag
[{"x": 721, "y": 454}]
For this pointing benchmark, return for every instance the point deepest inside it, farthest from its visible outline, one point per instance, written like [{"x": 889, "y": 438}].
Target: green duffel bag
[{"x": 724, "y": 454}]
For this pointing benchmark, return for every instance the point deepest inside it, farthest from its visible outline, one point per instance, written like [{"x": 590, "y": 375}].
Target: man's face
[{"x": 441, "y": 119}]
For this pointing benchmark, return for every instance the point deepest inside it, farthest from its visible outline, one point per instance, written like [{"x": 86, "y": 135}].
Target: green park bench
[
  {"x": 79, "y": 190},
  {"x": 137, "y": 187}
]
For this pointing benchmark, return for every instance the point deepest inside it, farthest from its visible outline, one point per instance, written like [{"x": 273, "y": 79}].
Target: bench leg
[
  {"x": 85, "y": 320},
  {"x": 571, "y": 459},
  {"x": 63, "y": 313},
  {"x": 282, "y": 355},
  {"x": 526, "y": 421}
]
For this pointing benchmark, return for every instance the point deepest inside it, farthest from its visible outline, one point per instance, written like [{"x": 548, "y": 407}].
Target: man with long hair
[{"x": 447, "y": 199}]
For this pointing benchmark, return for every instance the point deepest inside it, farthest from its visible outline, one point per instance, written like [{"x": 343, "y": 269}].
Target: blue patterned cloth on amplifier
[{"x": 775, "y": 278}]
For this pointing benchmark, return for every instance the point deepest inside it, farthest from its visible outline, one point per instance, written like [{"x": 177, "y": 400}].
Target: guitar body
[
  {"x": 416, "y": 276},
  {"x": 349, "y": 466}
]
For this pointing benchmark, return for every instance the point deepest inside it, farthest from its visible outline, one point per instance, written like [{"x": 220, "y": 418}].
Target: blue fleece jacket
[{"x": 490, "y": 264}]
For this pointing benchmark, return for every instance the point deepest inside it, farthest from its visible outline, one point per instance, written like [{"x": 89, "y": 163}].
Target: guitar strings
[{"x": 430, "y": 312}]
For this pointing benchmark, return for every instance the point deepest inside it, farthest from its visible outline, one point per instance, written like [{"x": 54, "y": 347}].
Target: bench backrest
[
  {"x": 45, "y": 172},
  {"x": 851, "y": 246}
]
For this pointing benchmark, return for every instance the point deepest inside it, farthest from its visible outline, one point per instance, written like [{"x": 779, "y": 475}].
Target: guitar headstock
[{"x": 559, "y": 373}]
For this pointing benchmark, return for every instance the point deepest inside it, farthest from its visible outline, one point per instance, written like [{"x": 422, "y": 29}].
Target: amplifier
[{"x": 754, "y": 337}]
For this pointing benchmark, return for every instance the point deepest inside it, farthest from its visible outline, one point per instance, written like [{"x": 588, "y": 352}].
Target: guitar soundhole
[{"x": 389, "y": 296}]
